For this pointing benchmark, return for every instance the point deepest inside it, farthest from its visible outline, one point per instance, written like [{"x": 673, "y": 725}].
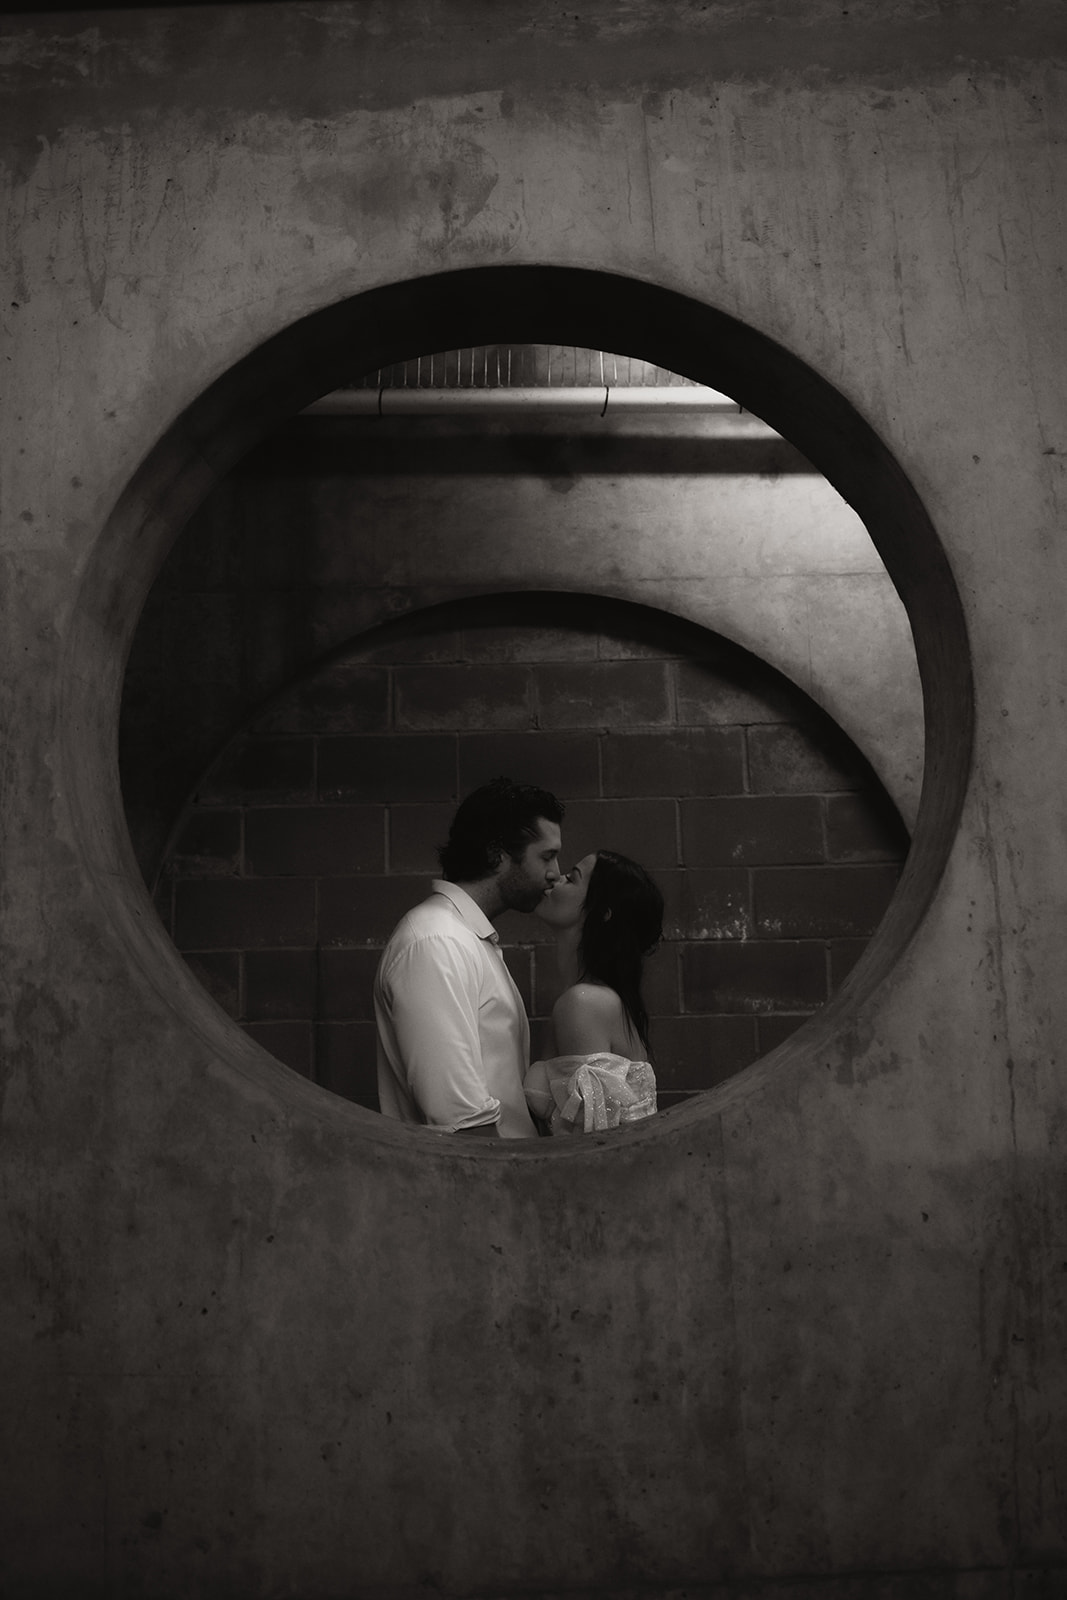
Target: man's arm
[{"x": 432, "y": 991}]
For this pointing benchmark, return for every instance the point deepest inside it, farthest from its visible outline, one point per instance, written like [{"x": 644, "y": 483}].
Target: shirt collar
[{"x": 469, "y": 909}]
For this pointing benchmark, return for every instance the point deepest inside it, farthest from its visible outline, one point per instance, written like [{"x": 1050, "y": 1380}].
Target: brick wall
[{"x": 776, "y": 847}]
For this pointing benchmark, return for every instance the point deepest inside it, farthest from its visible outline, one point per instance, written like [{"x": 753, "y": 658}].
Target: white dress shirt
[{"x": 453, "y": 1039}]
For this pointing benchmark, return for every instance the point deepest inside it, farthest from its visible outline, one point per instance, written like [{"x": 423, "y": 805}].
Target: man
[{"x": 453, "y": 1037}]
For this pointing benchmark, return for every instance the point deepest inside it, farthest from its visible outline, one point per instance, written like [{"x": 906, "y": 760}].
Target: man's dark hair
[{"x": 497, "y": 820}]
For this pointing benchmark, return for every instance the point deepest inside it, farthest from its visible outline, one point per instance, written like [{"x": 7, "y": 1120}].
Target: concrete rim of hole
[{"x": 476, "y": 306}]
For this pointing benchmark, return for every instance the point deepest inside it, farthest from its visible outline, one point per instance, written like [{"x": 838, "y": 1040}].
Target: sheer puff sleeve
[{"x": 589, "y": 1094}]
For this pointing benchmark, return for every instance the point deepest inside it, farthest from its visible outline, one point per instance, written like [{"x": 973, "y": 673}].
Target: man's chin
[{"x": 528, "y": 902}]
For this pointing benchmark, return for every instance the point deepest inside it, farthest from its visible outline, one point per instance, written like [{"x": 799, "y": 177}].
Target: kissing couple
[{"x": 453, "y": 1035}]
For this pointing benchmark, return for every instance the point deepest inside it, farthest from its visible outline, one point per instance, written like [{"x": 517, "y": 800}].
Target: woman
[{"x": 607, "y": 915}]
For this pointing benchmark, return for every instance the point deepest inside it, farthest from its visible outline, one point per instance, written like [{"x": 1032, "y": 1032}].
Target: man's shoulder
[
  {"x": 434, "y": 914},
  {"x": 429, "y": 937},
  {"x": 433, "y": 918}
]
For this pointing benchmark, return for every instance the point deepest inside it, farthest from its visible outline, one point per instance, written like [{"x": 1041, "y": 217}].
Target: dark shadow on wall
[
  {"x": 776, "y": 846},
  {"x": 332, "y": 447}
]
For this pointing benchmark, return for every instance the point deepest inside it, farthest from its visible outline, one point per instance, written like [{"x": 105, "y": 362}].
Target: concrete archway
[{"x": 524, "y": 303}]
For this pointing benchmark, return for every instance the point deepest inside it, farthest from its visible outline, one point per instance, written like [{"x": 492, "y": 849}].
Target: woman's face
[{"x": 562, "y": 907}]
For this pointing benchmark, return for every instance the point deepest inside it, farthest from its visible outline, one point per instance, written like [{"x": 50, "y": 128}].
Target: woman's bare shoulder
[
  {"x": 587, "y": 1000},
  {"x": 585, "y": 1019}
]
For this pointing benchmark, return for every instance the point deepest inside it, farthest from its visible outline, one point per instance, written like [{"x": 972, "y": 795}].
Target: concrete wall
[{"x": 810, "y": 1327}]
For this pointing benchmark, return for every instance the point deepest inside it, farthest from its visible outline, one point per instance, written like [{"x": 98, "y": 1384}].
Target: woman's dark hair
[
  {"x": 497, "y": 820},
  {"x": 622, "y": 924}
]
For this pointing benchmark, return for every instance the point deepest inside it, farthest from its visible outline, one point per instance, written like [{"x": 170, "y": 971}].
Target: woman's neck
[{"x": 567, "y": 964}]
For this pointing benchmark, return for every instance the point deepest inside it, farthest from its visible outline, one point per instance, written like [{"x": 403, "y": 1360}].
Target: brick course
[
  {"x": 821, "y": 902},
  {"x": 686, "y": 761},
  {"x": 567, "y": 764},
  {"x": 244, "y": 913},
  {"x": 693, "y": 1053},
  {"x": 660, "y": 986},
  {"x": 707, "y": 693},
  {"x": 715, "y": 903},
  {"x": 310, "y": 841},
  {"x": 346, "y": 699},
  {"x": 279, "y": 985},
  {"x": 463, "y": 697},
  {"x": 792, "y": 760},
  {"x": 209, "y": 844},
  {"x": 759, "y": 975},
  {"x": 752, "y": 830},
  {"x": 388, "y": 769},
  {"x": 345, "y": 984},
  {"x": 356, "y": 911},
  {"x": 604, "y": 694},
  {"x": 647, "y": 830},
  {"x": 414, "y": 835},
  {"x": 262, "y": 769}
]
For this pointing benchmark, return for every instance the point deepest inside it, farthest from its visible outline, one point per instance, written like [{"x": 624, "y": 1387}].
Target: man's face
[{"x": 523, "y": 882}]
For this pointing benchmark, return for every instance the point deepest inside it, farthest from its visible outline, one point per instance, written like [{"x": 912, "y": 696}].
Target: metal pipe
[{"x": 451, "y": 402}]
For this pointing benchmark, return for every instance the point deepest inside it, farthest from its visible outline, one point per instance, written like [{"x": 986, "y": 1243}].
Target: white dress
[{"x": 590, "y": 1093}]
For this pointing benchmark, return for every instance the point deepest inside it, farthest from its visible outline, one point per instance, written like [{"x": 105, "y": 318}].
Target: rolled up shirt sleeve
[{"x": 430, "y": 993}]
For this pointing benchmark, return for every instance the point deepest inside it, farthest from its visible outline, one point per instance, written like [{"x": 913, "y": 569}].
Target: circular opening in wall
[
  {"x": 774, "y": 843},
  {"x": 303, "y": 364},
  {"x": 775, "y": 846}
]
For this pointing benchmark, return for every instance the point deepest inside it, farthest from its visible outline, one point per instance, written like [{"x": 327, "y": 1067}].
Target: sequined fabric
[{"x": 590, "y": 1094}]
